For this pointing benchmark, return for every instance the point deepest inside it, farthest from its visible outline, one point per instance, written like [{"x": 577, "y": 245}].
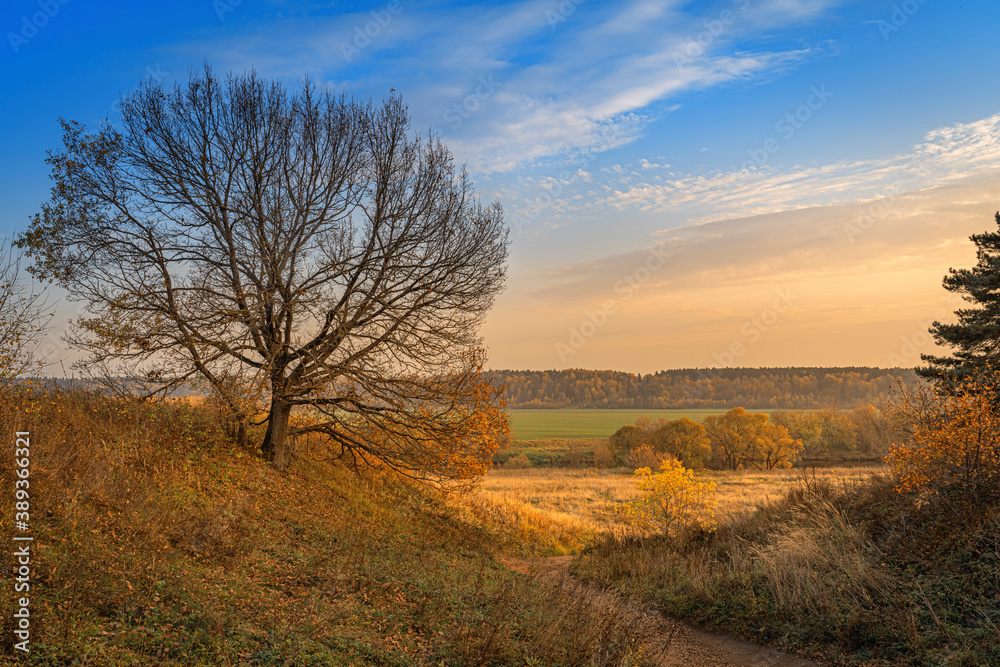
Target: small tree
[
  {"x": 776, "y": 448},
  {"x": 23, "y": 319},
  {"x": 672, "y": 501},
  {"x": 819, "y": 430},
  {"x": 975, "y": 338},
  {"x": 871, "y": 429},
  {"x": 624, "y": 440}
]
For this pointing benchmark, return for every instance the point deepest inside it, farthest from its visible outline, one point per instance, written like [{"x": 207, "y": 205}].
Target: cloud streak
[{"x": 562, "y": 83}]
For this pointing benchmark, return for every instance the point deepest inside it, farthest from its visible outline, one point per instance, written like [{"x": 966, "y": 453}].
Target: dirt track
[{"x": 674, "y": 642}]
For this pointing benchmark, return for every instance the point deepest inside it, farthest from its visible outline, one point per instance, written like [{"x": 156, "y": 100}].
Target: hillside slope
[{"x": 158, "y": 542}]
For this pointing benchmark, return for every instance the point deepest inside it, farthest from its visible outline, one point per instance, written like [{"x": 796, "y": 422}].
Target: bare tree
[
  {"x": 23, "y": 320},
  {"x": 300, "y": 246}
]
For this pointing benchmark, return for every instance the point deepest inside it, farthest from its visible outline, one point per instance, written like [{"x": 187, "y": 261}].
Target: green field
[{"x": 582, "y": 423}]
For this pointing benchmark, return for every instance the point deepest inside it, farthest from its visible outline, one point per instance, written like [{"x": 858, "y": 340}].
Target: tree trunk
[
  {"x": 234, "y": 425},
  {"x": 276, "y": 447},
  {"x": 235, "y": 429}
]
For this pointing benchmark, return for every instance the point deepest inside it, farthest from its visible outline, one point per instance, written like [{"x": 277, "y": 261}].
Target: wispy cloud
[
  {"x": 918, "y": 229},
  {"x": 947, "y": 154},
  {"x": 562, "y": 83}
]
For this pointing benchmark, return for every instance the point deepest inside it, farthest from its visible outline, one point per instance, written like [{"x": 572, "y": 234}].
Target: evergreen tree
[{"x": 976, "y": 336}]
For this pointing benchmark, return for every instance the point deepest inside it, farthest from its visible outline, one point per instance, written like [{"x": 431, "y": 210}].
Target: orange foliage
[{"x": 951, "y": 441}]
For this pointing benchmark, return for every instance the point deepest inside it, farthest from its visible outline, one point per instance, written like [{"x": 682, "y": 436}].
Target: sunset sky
[{"x": 689, "y": 184}]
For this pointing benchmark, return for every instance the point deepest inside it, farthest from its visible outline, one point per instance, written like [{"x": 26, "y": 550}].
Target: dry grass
[
  {"x": 159, "y": 542},
  {"x": 851, "y": 573},
  {"x": 586, "y": 502}
]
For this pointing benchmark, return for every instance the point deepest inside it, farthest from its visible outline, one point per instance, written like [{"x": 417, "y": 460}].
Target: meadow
[
  {"x": 586, "y": 423},
  {"x": 588, "y": 501}
]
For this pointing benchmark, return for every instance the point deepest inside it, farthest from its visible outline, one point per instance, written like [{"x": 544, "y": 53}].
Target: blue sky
[{"x": 840, "y": 150}]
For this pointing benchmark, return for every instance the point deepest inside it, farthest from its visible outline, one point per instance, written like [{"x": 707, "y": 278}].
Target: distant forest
[{"x": 761, "y": 388}]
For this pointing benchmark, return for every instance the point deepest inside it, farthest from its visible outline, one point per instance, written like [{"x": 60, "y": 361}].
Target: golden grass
[{"x": 588, "y": 500}]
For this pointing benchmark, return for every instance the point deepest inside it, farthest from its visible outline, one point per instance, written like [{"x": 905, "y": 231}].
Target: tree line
[
  {"x": 741, "y": 439},
  {"x": 762, "y": 388}
]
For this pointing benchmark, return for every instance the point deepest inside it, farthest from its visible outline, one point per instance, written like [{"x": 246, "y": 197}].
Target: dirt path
[{"x": 673, "y": 642}]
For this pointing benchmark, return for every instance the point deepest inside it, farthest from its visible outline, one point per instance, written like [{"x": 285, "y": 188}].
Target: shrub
[
  {"x": 624, "y": 440},
  {"x": 518, "y": 462},
  {"x": 644, "y": 457},
  {"x": 673, "y": 501},
  {"x": 603, "y": 457},
  {"x": 685, "y": 440},
  {"x": 951, "y": 441}
]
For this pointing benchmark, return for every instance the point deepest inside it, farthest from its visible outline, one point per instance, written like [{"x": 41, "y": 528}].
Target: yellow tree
[
  {"x": 776, "y": 448},
  {"x": 734, "y": 436},
  {"x": 672, "y": 501},
  {"x": 741, "y": 439}
]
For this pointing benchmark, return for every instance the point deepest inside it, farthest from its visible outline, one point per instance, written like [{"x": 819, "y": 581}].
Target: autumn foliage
[
  {"x": 742, "y": 439},
  {"x": 949, "y": 441},
  {"x": 673, "y": 500}
]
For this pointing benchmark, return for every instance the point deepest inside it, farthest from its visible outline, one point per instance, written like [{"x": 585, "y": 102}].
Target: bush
[
  {"x": 603, "y": 456},
  {"x": 518, "y": 462},
  {"x": 685, "y": 440},
  {"x": 950, "y": 442},
  {"x": 673, "y": 501},
  {"x": 644, "y": 457},
  {"x": 624, "y": 440}
]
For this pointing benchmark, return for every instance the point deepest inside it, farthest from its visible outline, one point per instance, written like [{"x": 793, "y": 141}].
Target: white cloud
[
  {"x": 562, "y": 86},
  {"x": 947, "y": 154}
]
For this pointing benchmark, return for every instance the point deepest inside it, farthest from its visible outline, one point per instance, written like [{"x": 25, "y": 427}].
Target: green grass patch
[{"x": 581, "y": 423}]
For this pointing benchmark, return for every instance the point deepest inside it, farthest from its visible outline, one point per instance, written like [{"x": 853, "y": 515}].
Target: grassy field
[
  {"x": 587, "y": 500},
  {"x": 574, "y": 423}
]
